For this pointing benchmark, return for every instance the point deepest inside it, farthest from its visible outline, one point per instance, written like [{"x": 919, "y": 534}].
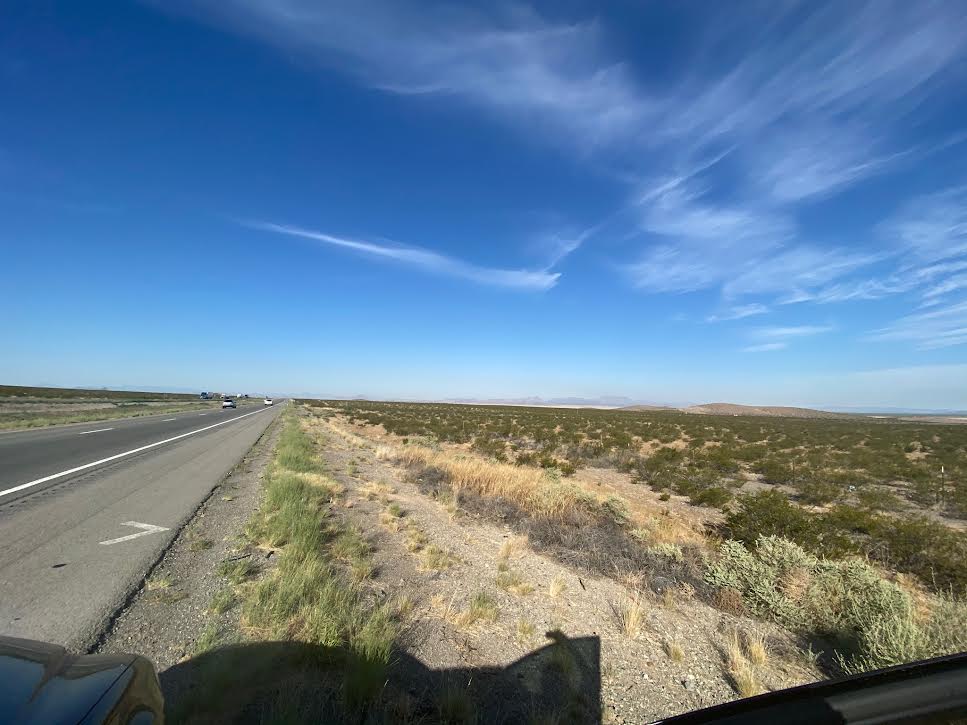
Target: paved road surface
[{"x": 59, "y": 581}]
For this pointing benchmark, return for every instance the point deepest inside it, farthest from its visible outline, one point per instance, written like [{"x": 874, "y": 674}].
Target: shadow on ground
[{"x": 292, "y": 682}]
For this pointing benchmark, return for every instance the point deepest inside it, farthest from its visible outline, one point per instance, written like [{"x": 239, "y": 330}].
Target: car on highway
[
  {"x": 269, "y": 401},
  {"x": 228, "y": 403}
]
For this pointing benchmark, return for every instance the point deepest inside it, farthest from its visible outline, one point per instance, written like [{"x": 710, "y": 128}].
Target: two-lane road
[
  {"x": 85, "y": 510},
  {"x": 32, "y": 459}
]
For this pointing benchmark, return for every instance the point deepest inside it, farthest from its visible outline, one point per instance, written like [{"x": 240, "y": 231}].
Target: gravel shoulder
[{"x": 167, "y": 617}]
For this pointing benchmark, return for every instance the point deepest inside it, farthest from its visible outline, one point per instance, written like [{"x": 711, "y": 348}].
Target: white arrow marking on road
[{"x": 148, "y": 529}]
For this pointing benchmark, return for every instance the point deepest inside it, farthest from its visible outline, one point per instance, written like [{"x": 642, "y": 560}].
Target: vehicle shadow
[{"x": 293, "y": 682}]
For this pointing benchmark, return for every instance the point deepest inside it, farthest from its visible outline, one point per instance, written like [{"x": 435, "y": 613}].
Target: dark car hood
[{"x": 43, "y": 683}]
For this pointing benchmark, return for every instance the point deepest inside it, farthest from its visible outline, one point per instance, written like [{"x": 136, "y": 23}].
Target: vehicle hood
[{"x": 43, "y": 683}]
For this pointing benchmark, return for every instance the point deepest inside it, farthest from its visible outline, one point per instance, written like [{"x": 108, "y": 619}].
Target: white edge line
[
  {"x": 168, "y": 420},
  {"x": 51, "y": 477},
  {"x": 99, "y": 430}
]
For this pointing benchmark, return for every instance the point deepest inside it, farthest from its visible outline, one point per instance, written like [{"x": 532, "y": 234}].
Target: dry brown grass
[
  {"x": 669, "y": 599},
  {"x": 729, "y": 600},
  {"x": 416, "y": 538},
  {"x": 483, "y": 608},
  {"x": 664, "y": 528},
  {"x": 557, "y": 587},
  {"x": 391, "y": 522},
  {"x": 509, "y": 580},
  {"x": 740, "y": 671},
  {"x": 530, "y": 488},
  {"x": 755, "y": 648},
  {"x": 631, "y": 616},
  {"x": 436, "y": 559},
  {"x": 444, "y": 607},
  {"x": 512, "y": 546},
  {"x": 525, "y": 631},
  {"x": 674, "y": 650},
  {"x": 377, "y": 492}
]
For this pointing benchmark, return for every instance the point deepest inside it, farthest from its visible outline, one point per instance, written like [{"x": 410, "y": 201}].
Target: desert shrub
[
  {"x": 935, "y": 553},
  {"x": 878, "y": 499},
  {"x": 871, "y": 622},
  {"x": 716, "y": 496},
  {"x": 664, "y": 457},
  {"x": 773, "y": 471},
  {"x": 719, "y": 459},
  {"x": 769, "y": 513},
  {"x": 819, "y": 492}
]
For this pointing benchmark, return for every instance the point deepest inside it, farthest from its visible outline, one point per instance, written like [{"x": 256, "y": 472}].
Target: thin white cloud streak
[
  {"x": 766, "y": 347},
  {"x": 937, "y": 328},
  {"x": 739, "y": 312},
  {"x": 431, "y": 261},
  {"x": 791, "y": 331}
]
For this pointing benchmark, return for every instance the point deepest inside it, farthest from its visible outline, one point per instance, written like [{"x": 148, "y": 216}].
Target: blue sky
[{"x": 674, "y": 202}]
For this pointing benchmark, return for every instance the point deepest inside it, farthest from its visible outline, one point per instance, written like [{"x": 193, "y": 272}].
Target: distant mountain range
[{"x": 604, "y": 401}]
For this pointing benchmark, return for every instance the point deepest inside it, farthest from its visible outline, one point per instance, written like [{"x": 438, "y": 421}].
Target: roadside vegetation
[
  {"x": 339, "y": 637},
  {"x": 842, "y": 531}
]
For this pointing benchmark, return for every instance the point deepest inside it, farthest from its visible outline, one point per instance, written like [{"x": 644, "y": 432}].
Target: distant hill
[
  {"x": 648, "y": 407},
  {"x": 776, "y": 411}
]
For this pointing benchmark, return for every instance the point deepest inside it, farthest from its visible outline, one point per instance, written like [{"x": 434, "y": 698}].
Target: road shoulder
[{"x": 167, "y": 617}]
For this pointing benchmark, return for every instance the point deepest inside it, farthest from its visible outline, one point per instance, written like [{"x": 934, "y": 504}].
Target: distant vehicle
[
  {"x": 268, "y": 401},
  {"x": 205, "y": 396},
  {"x": 228, "y": 403}
]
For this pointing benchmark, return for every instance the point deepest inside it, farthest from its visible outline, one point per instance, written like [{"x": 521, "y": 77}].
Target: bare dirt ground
[{"x": 671, "y": 661}]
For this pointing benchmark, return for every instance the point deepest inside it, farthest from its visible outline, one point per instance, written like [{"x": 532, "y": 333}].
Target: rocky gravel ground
[{"x": 673, "y": 660}]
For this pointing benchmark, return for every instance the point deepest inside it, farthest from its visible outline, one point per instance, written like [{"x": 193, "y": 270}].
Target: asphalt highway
[{"x": 85, "y": 510}]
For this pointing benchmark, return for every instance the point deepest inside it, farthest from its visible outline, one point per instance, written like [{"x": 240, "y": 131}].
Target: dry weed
[
  {"x": 512, "y": 546},
  {"x": 557, "y": 587},
  {"x": 755, "y": 648},
  {"x": 511, "y": 581},
  {"x": 525, "y": 630},
  {"x": 443, "y": 607},
  {"x": 436, "y": 559},
  {"x": 631, "y": 616},
  {"x": 376, "y": 491},
  {"x": 674, "y": 650},
  {"x": 740, "y": 671},
  {"x": 530, "y": 488},
  {"x": 483, "y": 608},
  {"x": 416, "y": 539},
  {"x": 730, "y": 600}
]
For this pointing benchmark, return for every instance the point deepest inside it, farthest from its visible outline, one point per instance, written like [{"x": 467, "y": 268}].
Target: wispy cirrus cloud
[
  {"x": 739, "y": 312},
  {"x": 766, "y": 347},
  {"x": 779, "y": 337},
  {"x": 784, "y": 333},
  {"x": 814, "y": 100},
  {"x": 430, "y": 261},
  {"x": 930, "y": 227},
  {"x": 508, "y": 60},
  {"x": 937, "y": 328}
]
